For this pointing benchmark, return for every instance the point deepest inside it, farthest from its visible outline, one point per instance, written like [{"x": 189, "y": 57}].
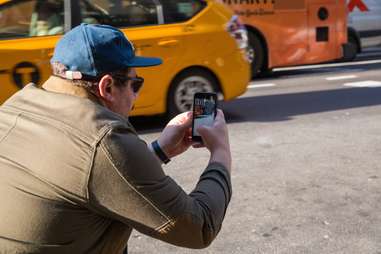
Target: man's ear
[{"x": 105, "y": 88}]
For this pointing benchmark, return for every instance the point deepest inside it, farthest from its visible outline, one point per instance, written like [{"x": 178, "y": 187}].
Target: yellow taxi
[{"x": 202, "y": 45}]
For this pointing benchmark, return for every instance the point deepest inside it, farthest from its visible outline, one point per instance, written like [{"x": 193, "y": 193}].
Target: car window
[
  {"x": 19, "y": 19},
  {"x": 181, "y": 10},
  {"x": 119, "y": 13}
]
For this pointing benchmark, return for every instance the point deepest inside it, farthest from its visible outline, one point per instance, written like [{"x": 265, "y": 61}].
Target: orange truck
[{"x": 289, "y": 33}]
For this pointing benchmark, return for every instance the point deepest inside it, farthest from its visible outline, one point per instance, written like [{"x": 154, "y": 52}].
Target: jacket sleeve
[{"x": 128, "y": 184}]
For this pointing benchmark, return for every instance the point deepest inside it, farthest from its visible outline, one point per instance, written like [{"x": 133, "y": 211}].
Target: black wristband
[{"x": 159, "y": 152}]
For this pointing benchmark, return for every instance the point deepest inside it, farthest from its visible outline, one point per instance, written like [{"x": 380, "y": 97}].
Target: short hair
[{"x": 58, "y": 69}]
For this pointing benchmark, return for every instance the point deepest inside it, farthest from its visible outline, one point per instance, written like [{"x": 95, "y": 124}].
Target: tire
[
  {"x": 352, "y": 48},
  {"x": 258, "y": 56},
  {"x": 183, "y": 88}
]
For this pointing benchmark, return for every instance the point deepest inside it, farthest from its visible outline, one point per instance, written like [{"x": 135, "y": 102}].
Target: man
[
  {"x": 46, "y": 19},
  {"x": 74, "y": 175}
]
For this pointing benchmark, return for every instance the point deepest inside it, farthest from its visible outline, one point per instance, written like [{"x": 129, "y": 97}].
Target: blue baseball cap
[{"x": 90, "y": 51}]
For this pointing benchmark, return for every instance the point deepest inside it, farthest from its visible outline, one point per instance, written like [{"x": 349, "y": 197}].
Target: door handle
[
  {"x": 189, "y": 28},
  {"x": 168, "y": 43},
  {"x": 140, "y": 48}
]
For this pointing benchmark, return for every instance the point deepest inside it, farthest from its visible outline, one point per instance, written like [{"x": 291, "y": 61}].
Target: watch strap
[{"x": 159, "y": 152}]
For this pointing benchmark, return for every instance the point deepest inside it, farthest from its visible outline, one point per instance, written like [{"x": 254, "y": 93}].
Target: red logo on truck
[{"x": 357, "y": 3}]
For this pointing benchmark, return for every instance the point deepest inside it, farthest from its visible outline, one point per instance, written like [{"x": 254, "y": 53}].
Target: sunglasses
[{"x": 136, "y": 82}]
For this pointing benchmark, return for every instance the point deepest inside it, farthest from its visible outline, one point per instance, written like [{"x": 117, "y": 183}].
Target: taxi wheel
[
  {"x": 183, "y": 88},
  {"x": 258, "y": 57}
]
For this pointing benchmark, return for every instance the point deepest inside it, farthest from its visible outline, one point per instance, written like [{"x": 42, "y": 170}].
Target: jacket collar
[{"x": 59, "y": 85}]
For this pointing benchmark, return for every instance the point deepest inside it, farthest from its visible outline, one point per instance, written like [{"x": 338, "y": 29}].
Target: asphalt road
[{"x": 306, "y": 146}]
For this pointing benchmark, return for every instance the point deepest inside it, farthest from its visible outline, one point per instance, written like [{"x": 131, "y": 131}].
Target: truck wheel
[
  {"x": 351, "y": 49},
  {"x": 183, "y": 88},
  {"x": 258, "y": 63}
]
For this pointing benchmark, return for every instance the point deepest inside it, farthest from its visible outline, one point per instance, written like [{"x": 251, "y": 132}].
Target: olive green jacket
[{"x": 76, "y": 178}]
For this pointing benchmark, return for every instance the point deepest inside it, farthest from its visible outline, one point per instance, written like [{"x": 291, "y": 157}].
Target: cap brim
[{"x": 139, "y": 61}]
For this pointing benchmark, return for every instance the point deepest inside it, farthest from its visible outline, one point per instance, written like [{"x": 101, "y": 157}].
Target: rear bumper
[{"x": 234, "y": 74}]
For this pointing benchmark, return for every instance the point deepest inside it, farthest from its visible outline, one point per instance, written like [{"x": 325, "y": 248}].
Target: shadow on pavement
[{"x": 280, "y": 107}]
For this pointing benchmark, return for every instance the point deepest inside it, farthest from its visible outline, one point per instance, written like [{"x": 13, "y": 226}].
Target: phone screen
[{"x": 204, "y": 112}]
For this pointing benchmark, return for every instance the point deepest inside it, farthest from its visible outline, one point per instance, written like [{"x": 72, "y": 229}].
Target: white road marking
[
  {"x": 318, "y": 66},
  {"x": 368, "y": 83},
  {"x": 341, "y": 77},
  {"x": 253, "y": 86}
]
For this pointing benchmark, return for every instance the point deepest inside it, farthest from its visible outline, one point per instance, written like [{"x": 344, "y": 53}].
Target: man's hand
[
  {"x": 216, "y": 140},
  {"x": 176, "y": 137}
]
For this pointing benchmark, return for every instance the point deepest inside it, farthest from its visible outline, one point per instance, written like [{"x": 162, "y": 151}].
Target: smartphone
[{"x": 204, "y": 112}]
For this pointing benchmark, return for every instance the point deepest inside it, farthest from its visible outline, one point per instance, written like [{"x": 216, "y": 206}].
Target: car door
[
  {"x": 365, "y": 17},
  {"x": 142, "y": 22},
  {"x": 29, "y": 29},
  {"x": 373, "y": 37}
]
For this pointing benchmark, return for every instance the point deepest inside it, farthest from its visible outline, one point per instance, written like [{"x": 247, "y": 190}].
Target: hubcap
[{"x": 186, "y": 90}]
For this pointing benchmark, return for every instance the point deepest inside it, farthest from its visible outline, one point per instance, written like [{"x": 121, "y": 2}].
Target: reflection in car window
[
  {"x": 119, "y": 13},
  {"x": 181, "y": 10},
  {"x": 20, "y": 19}
]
